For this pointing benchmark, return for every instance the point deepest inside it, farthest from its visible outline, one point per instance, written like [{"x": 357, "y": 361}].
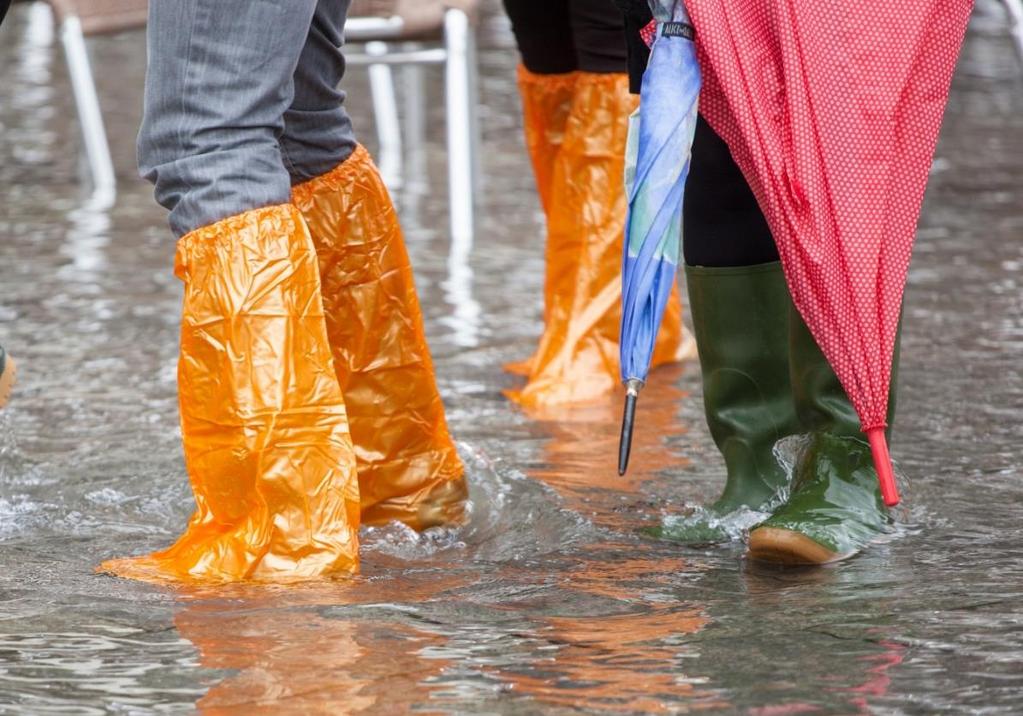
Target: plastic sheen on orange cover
[
  {"x": 262, "y": 417},
  {"x": 577, "y": 359},
  {"x": 408, "y": 467},
  {"x": 546, "y": 103}
]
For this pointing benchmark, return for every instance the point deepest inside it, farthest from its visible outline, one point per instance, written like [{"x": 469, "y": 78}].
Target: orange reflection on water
[
  {"x": 290, "y": 656},
  {"x": 626, "y": 578},
  {"x": 581, "y": 458},
  {"x": 627, "y": 658},
  {"x": 615, "y": 663}
]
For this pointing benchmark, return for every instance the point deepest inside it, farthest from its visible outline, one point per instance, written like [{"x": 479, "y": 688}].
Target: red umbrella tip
[{"x": 883, "y": 465}]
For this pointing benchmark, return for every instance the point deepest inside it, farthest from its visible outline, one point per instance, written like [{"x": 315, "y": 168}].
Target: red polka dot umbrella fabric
[{"x": 832, "y": 110}]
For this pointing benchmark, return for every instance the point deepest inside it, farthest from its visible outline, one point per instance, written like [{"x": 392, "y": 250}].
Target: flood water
[{"x": 550, "y": 600}]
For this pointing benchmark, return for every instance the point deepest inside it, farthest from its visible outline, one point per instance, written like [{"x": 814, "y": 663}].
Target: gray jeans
[{"x": 241, "y": 103}]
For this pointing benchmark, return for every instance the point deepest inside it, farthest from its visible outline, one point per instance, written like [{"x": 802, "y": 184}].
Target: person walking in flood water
[
  {"x": 306, "y": 389},
  {"x": 764, "y": 376},
  {"x": 576, "y": 103}
]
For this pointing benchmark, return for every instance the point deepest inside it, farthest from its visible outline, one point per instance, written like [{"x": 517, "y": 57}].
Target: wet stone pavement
[{"x": 550, "y": 600}]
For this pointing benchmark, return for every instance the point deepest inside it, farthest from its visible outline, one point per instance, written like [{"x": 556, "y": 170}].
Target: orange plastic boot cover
[
  {"x": 577, "y": 360},
  {"x": 546, "y": 103},
  {"x": 409, "y": 469},
  {"x": 262, "y": 418}
]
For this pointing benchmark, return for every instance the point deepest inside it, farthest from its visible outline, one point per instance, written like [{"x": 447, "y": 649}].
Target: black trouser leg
[
  {"x": 722, "y": 222},
  {"x": 559, "y": 36}
]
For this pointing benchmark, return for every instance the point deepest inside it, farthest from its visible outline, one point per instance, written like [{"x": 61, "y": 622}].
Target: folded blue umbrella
[{"x": 657, "y": 164}]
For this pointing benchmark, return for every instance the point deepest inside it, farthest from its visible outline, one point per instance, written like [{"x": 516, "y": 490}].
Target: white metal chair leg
[
  {"x": 385, "y": 107},
  {"x": 466, "y": 315},
  {"x": 458, "y": 96},
  {"x": 414, "y": 120},
  {"x": 91, "y": 118}
]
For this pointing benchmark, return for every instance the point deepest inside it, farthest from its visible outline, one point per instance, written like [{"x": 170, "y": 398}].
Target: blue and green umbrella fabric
[{"x": 657, "y": 164}]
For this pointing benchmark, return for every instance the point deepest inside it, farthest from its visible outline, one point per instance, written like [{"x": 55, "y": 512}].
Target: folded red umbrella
[{"x": 832, "y": 111}]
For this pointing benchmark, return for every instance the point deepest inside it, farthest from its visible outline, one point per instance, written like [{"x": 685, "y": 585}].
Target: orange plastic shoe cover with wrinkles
[
  {"x": 577, "y": 359},
  {"x": 409, "y": 469},
  {"x": 262, "y": 416}
]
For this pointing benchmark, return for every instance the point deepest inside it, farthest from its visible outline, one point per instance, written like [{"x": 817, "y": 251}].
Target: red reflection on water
[{"x": 878, "y": 681}]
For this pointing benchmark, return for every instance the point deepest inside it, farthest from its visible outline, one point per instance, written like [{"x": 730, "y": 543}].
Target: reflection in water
[
  {"x": 855, "y": 665},
  {"x": 464, "y": 320},
  {"x": 878, "y": 678},
  {"x": 581, "y": 458},
  {"x": 626, "y": 663},
  {"x": 35, "y": 55},
  {"x": 88, "y": 236},
  {"x": 872, "y": 668},
  {"x": 290, "y": 653},
  {"x": 296, "y": 661},
  {"x": 623, "y": 654},
  {"x": 613, "y": 647}
]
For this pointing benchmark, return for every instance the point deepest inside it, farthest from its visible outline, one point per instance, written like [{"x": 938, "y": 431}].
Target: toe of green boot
[{"x": 834, "y": 509}]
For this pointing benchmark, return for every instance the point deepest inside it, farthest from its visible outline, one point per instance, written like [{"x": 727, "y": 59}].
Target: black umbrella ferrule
[{"x": 628, "y": 420}]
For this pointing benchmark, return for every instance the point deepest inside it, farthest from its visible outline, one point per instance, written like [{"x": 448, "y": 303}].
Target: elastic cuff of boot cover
[
  {"x": 276, "y": 220},
  {"x": 526, "y": 78},
  {"x": 358, "y": 163},
  {"x": 770, "y": 267}
]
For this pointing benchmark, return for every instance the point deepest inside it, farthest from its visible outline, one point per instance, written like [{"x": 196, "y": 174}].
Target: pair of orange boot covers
[
  {"x": 576, "y": 126},
  {"x": 307, "y": 395}
]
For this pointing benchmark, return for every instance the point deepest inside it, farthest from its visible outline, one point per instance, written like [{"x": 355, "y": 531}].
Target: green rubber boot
[
  {"x": 740, "y": 319},
  {"x": 834, "y": 508}
]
